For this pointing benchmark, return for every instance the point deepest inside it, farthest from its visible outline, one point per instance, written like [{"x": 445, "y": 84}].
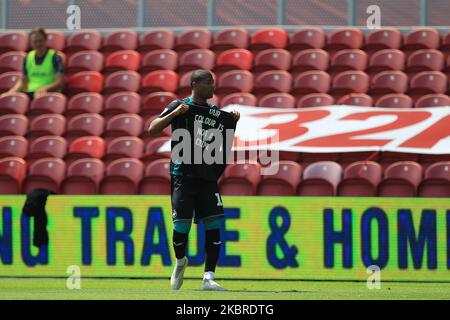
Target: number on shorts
[{"x": 219, "y": 201}]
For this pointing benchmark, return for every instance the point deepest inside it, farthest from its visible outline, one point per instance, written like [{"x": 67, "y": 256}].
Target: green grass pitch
[{"x": 146, "y": 289}]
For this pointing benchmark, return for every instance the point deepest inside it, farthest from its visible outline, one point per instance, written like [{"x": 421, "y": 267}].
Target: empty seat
[
  {"x": 356, "y": 99},
  {"x": 424, "y": 38},
  {"x": 13, "y": 146},
  {"x": 307, "y": 38},
  {"x": 184, "y": 86},
  {"x": 234, "y": 59},
  {"x": 12, "y": 173},
  {"x": 425, "y": 60},
  {"x": 123, "y": 125},
  {"x": 277, "y": 100},
  {"x": 387, "y": 59},
  {"x": 163, "y": 59},
  {"x": 46, "y": 173},
  {"x": 13, "y": 41},
  {"x": 155, "y": 102},
  {"x": 242, "y": 98},
  {"x": 436, "y": 182},
  {"x": 314, "y": 81},
  {"x": 156, "y": 180},
  {"x": 8, "y": 80},
  {"x": 47, "y": 125},
  {"x": 235, "y": 38},
  {"x": 86, "y": 147},
  {"x": 284, "y": 182},
  {"x": 268, "y": 38},
  {"x": 160, "y": 80},
  {"x": 348, "y": 158},
  {"x": 122, "y": 60},
  {"x": 86, "y": 124},
  {"x": 234, "y": 81},
  {"x": 156, "y": 39},
  {"x": 320, "y": 179},
  {"x": 240, "y": 179},
  {"x": 124, "y": 147},
  {"x": 56, "y": 40},
  {"x": 87, "y": 102},
  {"x": 349, "y": 38},
  {"x": 272, "y": 81},
  {"x": 122, "y": 81},
  {"x": 433, "y": 100},
  {"x": 350, "y": 82},
  {"x": 385, "y": 38},
  {"x": 120, "y": 40},
  {"x": 85, "y": 81},
  {"x": 395, "y": 100},
  {"x": 13, "y": 125},
  {"x": 272, "y": 59},
  {"x": 360, "y": 179},
  {"x": 348, "y": 59},
  {"x": 401, "y": 179},
  {"x": 167, "y": 132},
  {"x": 122, "y": 177},
  {"x": 47, "y": 147},
  {"x": 152, "y": 153},
  {"x": 427, "y": 82},
  {"x": 310, "y": 59},
  {"x": 196, "y": 59},
  {"x": 388, "y": 82},
  {"x": 193, "y": 39},
  {"x": 12, "y": 61},
  {"x": 121, "y": 102},
  {"x": 16, "y": 103},
  {"x": 83, "y": 177},
  {"x": 84, "y": 61},
  {"x": 83, "y": 40},
  {"x": 51, "y": 102},
  {"x": 387, "y": 158},
  {"x": 315, "y": 100}
]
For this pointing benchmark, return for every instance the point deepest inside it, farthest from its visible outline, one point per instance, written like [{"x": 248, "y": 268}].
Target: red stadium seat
[
  {"x": 235, "y": 38},
  {"x": 85, "y": 81},
  {"x": 356, "y": 99},
  {"x": 155, "y": 103},
  {"x": 272, "y": 59},
  {"x": 184, "y": 86},
  {"x": 425, "y": 60},
  {"x": 427, "y": 160},
  {"x": 12, "y": 61},
  {"x": 82, "y": 41},
  {"x": 395, "y": 100},
  {"x": 121, "y": 102},
  {"x": 427, "y": 82},
  {"x": 163, "y": 59},
  {"x": 436, "y": 183},
  {"x": 196, "y": 59},
  {"x": 120, "y": 40},
  {"x": 310, "y": 59},
  {"x": 314, "y": 81},
  {"x": 425, "y": 38},
  {"x": 86, "y": 124},
  {"x": 13, "y": 146},
  {"x": 348, "y": 158},
  {"x": 277, "y": 100},
  {"x": 387, "y": 82},
  {"x": 13, "y": 41},
  {"x": 51, "y": 102},
  {"x": 348, "y": 59},
  {"x": 242, "y": 98},
  {"x": 122, "y": 177},
  {"x": 240, "y": 59},
  {"x": 152, "y": 153},
  {"x": 12, "y": 173},
  {"x": 14, "y": 104},
  {"x": 87, "y": 102},
  {"x": 284, "y": 182},
  {"x": 385, "y": 60},
  {"x": 122, "y": 81},
  {"x": 307, "y": 158},
  {"x": 86, "y": 147},
  {"x": 157, "y": 39},
  {"x": 389, "y": 157},
  {"x": 47, "y": 147},
  {"x": 193, "y": 39},
  {"x": 83, "y": 177},
  {"x": 269, "y": 38},
  {"x": 122, "y": 60},
  {"x": 360, "y": 179},
  {"x": 161, "y": 80},
  {"x": 433, "y": 100},
  {"x": 445, "y": 47},
  {"x": 8, "y": 80},
  {"x": 240, "y": 179},
  {"x": 56, "y": 40},
  {"x": 272, "y": 81},
  {"x": 123, "y": 125},
  {"x": 124, "y": 147},
  {"x": 13, "y": 125},
  {"x": 349, "y": 82},
  {"x": 46, "y": 173},
  {"x": 320, "y": 179},
  {"x": 307, "y": 38},
  {"x": 157, "y": 178},
  {"x": 350, "y": 38},
  {"x": 315, "y": 100},
  {"x": 234, "y": 81},
  {"x": 401, "y": 179},
  {"x": 85, "y": 61},
  {"x": 385, "y": 38},
  {"x": 47, "y": 125},
  {"x": 167, "y": 132}
]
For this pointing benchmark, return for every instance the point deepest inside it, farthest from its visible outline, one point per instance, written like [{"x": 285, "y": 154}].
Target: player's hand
[
  {"x": 182, "y": 108},
  {"x": 39, "y": 93},
  {"x": 236, "y": 115}
]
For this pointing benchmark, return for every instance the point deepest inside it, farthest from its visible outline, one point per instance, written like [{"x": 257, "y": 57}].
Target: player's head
[
  {"x": 38, "y": 39},
  {"x": 202, "y": 84}
]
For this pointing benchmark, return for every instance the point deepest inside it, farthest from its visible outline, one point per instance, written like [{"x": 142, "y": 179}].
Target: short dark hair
[
  {"x": 200, "y": 75},
  {"x": 38, "y": 31}
]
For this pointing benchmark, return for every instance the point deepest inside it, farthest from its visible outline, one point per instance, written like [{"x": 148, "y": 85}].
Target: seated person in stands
[{"x": 42, "y": 68}]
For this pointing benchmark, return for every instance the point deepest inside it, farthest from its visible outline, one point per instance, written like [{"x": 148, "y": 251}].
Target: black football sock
[
  {"x": 212, "y": 248},
  {"x": 179, "y": 244}
]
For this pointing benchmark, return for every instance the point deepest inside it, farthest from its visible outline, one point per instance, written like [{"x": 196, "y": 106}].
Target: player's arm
[{"x": 159, "y": 124}]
